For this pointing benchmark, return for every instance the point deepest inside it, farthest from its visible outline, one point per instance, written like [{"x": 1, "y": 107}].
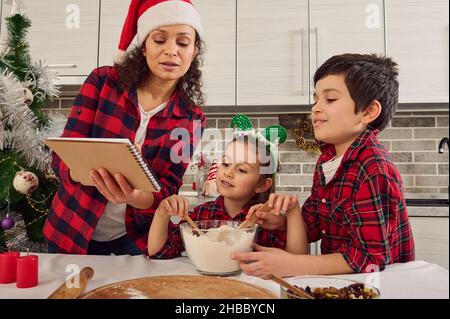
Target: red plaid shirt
[
  {"x": 361, "y": 213},
  {"x": 103, "y": 110},
  {"x": 215, "y": 210}
]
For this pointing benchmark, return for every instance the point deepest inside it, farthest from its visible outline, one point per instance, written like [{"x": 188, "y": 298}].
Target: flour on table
[{"x": 135, "y": 294}]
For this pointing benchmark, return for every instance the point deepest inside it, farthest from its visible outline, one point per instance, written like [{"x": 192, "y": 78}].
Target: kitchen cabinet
[
  {"x": 1, "y": 15},
  {"x": 353, "y": 26},
  {"x": 272, "y": 54},
  {"x": 417, "y": 39},
  {"x": 219, "y": 68},
  {"x": 260, "y": 52},
  {"x": 112, "y": 17},
  {"x": 279, "y": 49},
  {"x": 431, "y": 239},
  {"x": 63, "y": 34}
]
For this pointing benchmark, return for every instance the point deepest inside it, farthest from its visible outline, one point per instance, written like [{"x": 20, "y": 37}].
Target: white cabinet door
[
  {"x": 272, "y": 54},
  {"x": 351, "y": 26},
  {"x": 219, "y": 67},
  {"x": 431, "y": 239},
  {"x": 63, "y": 34},
  {"x": 417, "y": 38},
  {"x": 112, "y": 17}
]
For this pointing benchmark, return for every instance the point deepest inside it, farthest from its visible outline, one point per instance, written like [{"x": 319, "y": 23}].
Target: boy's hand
[
  {"x": 282, "y": 204},
  {"x": 173, "y": 206},
  {"x": 263, "y": 261},
  {"x": 267, "y": 220}
]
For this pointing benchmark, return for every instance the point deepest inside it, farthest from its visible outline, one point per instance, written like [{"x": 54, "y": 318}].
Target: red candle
[
  {"x": 8, "y": 267},
  {"x": 27, "y": 271}
]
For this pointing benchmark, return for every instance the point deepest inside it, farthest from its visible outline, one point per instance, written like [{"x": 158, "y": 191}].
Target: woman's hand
[
  {"x": 117, "y": 190},
  {"x": 173, "y": 206},
  {"x": 264, "y": 261}
]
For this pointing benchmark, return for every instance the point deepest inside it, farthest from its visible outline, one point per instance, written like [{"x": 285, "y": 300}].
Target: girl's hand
[
  {"x": 282, "y": 204},
  {"x": 263, "y": 261},
  {"x": 117, "y": 190},
  {"x": 173, "y": 206},
  {"x": 267, "y": 220}
]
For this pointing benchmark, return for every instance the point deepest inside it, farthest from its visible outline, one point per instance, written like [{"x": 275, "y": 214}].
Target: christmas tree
[{"x": 27, "y": 184}]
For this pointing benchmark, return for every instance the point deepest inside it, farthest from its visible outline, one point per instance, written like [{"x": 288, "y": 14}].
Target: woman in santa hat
[{"x": 152, "y": 89}]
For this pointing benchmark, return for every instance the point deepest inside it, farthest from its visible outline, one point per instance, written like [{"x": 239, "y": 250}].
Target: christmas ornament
[
  {"x": 25, "y": 182},
  {"x": 28, "y": 96},
  {"x": 304, "y": 125},
  {"x": 210, "y": 186},
  {"x": 7, "y": 222},
  {"x": 199, "y": 168},
  {"x": 17, "y": 238}
]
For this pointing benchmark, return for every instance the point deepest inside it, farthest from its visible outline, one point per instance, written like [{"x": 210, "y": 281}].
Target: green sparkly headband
[{"x": 272, "y": 136}]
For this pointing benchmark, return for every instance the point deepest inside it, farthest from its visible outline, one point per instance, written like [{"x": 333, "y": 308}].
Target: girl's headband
[{"x": 272, "y": 136}]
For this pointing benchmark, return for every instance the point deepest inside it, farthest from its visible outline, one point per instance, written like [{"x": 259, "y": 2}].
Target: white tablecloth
[{"x": 417, "y": 279}]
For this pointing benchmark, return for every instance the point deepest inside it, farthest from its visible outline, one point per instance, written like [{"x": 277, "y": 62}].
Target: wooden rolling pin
[
  {"x": 252, "y": 220},
  {"x": 64, "y": 292}
]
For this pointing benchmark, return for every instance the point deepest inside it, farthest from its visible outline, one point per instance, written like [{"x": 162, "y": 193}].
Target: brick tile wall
[{"x": 412, "y": 138}]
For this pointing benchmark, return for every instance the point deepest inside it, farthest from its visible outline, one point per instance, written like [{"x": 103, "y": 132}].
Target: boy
[{"x": 357, "y": 206}]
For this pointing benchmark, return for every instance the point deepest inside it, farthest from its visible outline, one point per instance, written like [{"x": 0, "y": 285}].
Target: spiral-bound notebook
[{"x": 117, "y": 155}]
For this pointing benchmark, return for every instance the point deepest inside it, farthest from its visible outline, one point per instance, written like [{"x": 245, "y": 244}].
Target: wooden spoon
[
  {"x": 252, "y": 220},
  {"x": 193, "y": 224},
  {"x": 64, "y": 292},
  {"x": 290, "y": 287}
]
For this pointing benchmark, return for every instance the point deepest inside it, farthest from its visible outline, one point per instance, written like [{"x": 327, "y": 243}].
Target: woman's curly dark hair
[{"x": 134, "y": 72}]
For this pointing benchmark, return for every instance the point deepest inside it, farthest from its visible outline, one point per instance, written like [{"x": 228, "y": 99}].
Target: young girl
[
  {"x": 154, "y": 88},
  {"x": 243, "y": 180}
]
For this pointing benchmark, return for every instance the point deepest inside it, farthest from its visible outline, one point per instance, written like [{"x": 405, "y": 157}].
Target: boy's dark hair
[{"x": 368, "y": 77}]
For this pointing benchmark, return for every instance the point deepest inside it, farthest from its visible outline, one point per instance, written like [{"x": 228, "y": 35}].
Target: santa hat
[{"x": 146, "y": 15}]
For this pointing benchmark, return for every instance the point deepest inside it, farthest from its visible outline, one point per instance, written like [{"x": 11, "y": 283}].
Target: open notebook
[{"x": 117, "y": 155}]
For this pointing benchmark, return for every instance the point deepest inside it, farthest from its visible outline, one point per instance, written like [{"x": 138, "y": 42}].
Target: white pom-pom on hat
[{"x": 119, "y": 56}]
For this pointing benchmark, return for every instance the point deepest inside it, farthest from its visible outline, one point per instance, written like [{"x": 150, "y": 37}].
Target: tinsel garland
[{"x": 25, "y": 134}]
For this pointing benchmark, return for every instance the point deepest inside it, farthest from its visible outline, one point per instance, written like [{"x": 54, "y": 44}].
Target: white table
[{"x": 417, "y": 279}]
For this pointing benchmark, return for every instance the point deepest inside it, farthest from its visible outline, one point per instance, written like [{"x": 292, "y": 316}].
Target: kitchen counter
[{"x": 430, "y": 280}]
